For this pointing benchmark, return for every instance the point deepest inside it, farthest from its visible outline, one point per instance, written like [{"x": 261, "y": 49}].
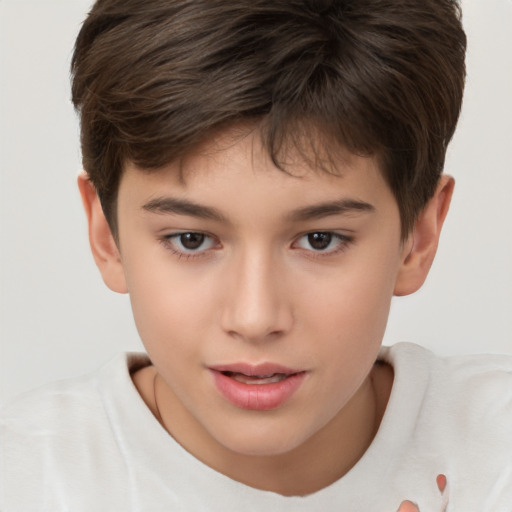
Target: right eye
[{"x": 189, "y": 243}]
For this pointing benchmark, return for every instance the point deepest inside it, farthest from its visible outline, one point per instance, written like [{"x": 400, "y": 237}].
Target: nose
[{"x": 257, "y": 306}]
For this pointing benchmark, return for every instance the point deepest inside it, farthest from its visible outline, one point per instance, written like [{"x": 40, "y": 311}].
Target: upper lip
[{"x": 253, "y": 370}]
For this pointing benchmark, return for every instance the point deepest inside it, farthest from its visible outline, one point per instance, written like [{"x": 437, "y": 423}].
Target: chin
[
  {"x": 264, "y": 442},
  {"x": 261, "y": 450}
]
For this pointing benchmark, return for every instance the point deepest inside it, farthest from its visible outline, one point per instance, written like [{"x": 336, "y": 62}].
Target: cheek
[
  {"x": 355, "y": 304},
  {"x": 169, "y": 307},
  {"x": 351, "y": 318},
  {"x": 349, "y": 334}
]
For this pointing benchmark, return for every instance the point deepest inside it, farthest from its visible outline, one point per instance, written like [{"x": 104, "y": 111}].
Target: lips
[
  {"x": 259, "y": 387},
  {"x": 256, "y": 379}
]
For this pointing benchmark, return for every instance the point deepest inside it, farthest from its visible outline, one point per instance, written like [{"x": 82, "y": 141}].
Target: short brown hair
[{"x": 152, "y": 79}]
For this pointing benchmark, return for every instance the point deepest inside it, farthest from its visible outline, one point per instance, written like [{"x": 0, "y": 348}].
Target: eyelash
[
  {"x": 168, "y": 242},
  {"x": 343, "y": 242}
]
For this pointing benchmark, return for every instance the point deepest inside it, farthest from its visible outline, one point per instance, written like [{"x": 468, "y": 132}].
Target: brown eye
[
  {"x": 323, "y": 243},
  {"x": 191, "y": 241},
  {"x": 319, "y": 241},
  {"x": 190, "y": 244}
]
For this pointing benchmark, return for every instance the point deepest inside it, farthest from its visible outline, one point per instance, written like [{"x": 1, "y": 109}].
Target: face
[{"x": 261, "y": 297}]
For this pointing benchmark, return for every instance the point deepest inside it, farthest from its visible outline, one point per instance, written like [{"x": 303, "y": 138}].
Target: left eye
[
  {"x": 322, "y": 241},
  {"x": 190, "y": 242}
]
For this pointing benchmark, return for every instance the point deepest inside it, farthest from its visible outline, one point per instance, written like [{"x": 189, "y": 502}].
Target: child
[{"x": 261, "y": 178}]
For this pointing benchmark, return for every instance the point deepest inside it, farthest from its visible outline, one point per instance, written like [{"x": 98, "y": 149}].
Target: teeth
[{"x": 257, "y": 379}]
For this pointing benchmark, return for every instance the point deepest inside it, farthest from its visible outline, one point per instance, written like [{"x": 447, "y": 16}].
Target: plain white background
[{"x": 57, "y": 319}]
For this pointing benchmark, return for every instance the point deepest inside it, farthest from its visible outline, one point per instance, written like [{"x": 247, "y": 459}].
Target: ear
[
  {"x": 103, "y": 246},
  {"x": 421, "y": 246}
]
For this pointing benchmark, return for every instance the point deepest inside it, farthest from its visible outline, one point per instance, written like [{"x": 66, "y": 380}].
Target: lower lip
[{"x": 257, "y": 397}]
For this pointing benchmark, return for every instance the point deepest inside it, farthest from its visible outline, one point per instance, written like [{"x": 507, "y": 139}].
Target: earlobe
[
  {"x": 420, "y": 248},
  {"x": 103, "y": 246}
]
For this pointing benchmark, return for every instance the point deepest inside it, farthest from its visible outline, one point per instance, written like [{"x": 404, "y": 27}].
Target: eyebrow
[
  {"x": 330, "y": 208},
  {"x": 172, "y": 205}
]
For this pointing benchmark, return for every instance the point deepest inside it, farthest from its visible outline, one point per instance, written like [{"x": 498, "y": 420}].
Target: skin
[
  {"x": 258, "y": 291},
  {"x": 409, "y": 506}
]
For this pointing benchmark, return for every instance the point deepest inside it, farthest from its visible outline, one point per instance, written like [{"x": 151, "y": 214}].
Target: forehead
[
  {"x": 305, "y": 151},
  {"x": 237, "y": 161}
]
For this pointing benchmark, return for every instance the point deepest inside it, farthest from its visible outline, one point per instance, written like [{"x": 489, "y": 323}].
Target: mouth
[
  {"x": 256, "y": 379},
  {"x": 260, "y": 387}
]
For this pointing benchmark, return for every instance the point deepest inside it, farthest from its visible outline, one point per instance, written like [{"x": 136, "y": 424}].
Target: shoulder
[
  {"x": 479, "y": 385},
  {"x": 470, "y": 383},
  {"x": 475, "y": 423},
  {"x": 460, "y": 412},
  {"x": 476, "y": 374},
  {"x": 71, "y": 408},
  {"x": 67, "y": 400},
  {"x": 460, "y": 399},
  {"x": 477, "y": 392},
  {"x": 50, "y": 404},
  {"x": 54, "y": 435}
]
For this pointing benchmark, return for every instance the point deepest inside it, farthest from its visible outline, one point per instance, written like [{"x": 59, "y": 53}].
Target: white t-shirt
[{"x": 91, "y": 444}]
